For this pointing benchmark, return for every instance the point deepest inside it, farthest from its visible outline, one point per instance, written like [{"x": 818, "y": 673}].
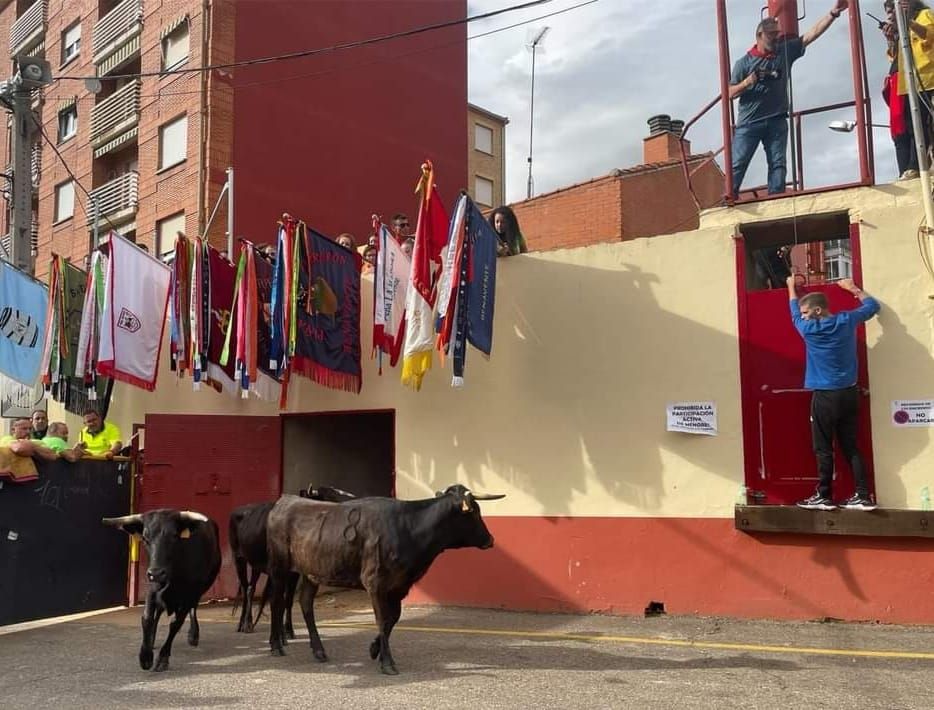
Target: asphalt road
[{"x": 468, "y": 658}]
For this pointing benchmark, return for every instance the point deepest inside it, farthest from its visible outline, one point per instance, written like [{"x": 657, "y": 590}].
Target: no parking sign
[{"x": 913, "y": 412}]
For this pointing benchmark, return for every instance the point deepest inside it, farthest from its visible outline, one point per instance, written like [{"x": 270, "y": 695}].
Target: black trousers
[{"x": 835, "y": 415}]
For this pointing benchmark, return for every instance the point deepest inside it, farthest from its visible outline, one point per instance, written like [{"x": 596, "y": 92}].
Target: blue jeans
[{"x": 773, "y": 134}]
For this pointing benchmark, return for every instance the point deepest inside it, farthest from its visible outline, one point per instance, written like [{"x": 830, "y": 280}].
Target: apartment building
[
  {"x": 486, "y": 160},
  {"x": 143, "y": 137}
]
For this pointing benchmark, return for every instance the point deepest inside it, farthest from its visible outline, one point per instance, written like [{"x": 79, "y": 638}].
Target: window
[
  {"x": 67, "y": 123},
  {"x": 166, "y": 231},
  {"x": 64, "y": 201},
  {"x": 483, "y": 139},
  {"x": 175, "y": 47},
  {"x": 483, "y": 191},
  {"x": 173, "y": 139},
  {"x": 71, "y": 42}
]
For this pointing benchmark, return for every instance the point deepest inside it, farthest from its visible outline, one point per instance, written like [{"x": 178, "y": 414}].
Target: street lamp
[
  {"x": 848, "y": 126},
  {"x": 537, "y": 40}
]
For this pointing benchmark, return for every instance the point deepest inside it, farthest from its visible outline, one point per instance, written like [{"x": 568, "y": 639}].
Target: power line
[
  {"x": 321, "y": 50},
  {"x": 324, "y": 72}
]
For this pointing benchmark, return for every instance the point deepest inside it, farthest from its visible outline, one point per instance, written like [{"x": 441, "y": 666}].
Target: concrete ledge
[{"x": 881, "y": 522}]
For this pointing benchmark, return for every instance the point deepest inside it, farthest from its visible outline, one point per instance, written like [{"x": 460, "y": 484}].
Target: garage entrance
[{"x": 354, "y": 451}]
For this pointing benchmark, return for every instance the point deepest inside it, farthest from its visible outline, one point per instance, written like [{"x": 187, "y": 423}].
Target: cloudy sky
[{"x": 610, "y": 65}]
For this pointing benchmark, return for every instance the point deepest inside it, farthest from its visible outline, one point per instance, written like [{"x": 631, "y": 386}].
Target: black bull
[
  {"x": 247, "y": 538},
  {"x": 184, "y": 558},
  {"x": 381, "y": 545}
]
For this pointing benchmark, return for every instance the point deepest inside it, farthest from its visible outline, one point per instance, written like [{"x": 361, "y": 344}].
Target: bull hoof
[
  {"x": 145, "y": 660},
  {"x": 388, "y": 669},
  {"x": 245, "y": 628},
  {"x": 193, "y": 639},
  {"x": 290, "y": 634},
  {"x": 374, "y": 648},
  {"x": 320, "y": 655},
  {"x": 277, "y": 651},
  {"x": 162, "y": 664}
]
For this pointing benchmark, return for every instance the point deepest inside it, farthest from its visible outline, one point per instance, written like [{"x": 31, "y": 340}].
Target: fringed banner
[
  {"x": 67, "y": 289},
  {"x": 179, "y": 298},
  {"x": 430, "y": 237},
  {"x": 476, "y": 293},
  {"x": 327, "y": 312}
]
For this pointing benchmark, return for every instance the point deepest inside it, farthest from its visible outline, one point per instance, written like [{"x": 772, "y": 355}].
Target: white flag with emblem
[{"x": 136, "y": 299}]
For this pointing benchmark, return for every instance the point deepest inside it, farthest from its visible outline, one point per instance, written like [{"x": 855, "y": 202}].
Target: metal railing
[
  {"x": 117, "y": 195},
  {"x": 119, "y": 22},
  {"x": 115, "y": 114},
  {"x": 36, "y": 163},
  {"x": 861, "y": 104},
  {"x": 28, "y": 29}
]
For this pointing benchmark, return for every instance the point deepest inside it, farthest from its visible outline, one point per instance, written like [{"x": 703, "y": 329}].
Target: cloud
[{"x": 608, "y": 66}]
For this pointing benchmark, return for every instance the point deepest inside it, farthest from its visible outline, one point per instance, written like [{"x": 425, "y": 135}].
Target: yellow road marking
[{"x": 649, "y": 641}]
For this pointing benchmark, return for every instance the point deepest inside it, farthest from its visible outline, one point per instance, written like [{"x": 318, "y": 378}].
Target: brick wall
[
  {"x": 161, "y": 193},
  {"x": 627, "y": 204}
]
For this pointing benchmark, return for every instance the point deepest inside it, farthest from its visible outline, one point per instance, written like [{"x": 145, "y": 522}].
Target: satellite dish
[{"x": 93, "y": 85}]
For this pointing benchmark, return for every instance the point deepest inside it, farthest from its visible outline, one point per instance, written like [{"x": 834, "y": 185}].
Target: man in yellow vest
[{"x": 99, "y": 438}]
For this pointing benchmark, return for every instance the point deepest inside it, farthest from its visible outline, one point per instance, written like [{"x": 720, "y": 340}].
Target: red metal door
[
  {"x": 211, "y": 464},
  {"x": 779, "y": 462}
]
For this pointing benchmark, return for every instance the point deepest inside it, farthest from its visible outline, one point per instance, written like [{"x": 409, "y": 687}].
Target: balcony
[
  {"x": 116, "y": 36},
  {"x": 113, "y": 119},
  {"x": 116, "y": 200},
  {"x": 29, "y": 29}
]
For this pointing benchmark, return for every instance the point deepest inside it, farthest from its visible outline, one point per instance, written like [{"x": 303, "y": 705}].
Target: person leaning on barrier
[
  {"x": 760, "y": 80},
  {"x": 99, "y": 438},
  {"x": 56, "y": 440}
]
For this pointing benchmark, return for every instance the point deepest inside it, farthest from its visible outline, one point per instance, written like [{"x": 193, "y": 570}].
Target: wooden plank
[{"x": 881, "y": 522}]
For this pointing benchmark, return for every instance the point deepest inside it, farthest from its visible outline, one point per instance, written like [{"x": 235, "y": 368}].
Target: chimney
[{"x": 663, "y": 143}]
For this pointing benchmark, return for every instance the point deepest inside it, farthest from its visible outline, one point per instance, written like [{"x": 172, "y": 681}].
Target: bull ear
[
  {"x": 132, "y": 524},
  {"x": 489, "y": 496}
]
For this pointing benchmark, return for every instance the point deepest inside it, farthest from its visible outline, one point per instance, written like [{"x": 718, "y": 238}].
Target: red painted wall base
[{"x": 692, "y": 565}]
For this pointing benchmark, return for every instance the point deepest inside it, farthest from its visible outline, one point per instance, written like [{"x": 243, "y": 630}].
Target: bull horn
[
  {"x": 489, "y": 496},
  {"x": 193, "y": 516},
  {"x": 124, "y": 520}
]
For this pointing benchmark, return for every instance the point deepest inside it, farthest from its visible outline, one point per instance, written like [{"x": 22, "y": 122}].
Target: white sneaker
[{"x": 909, "y": 175}]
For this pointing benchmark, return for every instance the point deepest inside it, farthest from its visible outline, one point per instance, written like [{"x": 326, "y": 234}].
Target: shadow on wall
[{"x": 595, "y": 357}]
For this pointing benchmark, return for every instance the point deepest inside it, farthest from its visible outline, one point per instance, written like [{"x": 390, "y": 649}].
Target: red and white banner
[
  {"x": 136, "y": 299},
  {"x": 393, "y": 269}
]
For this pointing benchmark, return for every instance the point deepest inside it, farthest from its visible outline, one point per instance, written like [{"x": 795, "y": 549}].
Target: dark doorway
[{"x": 354, "y": 451}]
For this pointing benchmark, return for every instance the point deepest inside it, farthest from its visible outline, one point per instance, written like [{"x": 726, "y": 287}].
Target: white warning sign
[
  {"x": 693, "y": 418},
  {"x": 913, "y": 412}
]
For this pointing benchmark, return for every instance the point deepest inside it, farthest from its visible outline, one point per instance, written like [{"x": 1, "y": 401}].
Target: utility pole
[
  {"x": 537, "y": 40},
  {"x": 15, "y": 94}
]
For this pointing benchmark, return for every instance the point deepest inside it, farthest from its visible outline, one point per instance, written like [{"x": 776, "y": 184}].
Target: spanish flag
[{"x": 431, "y": 235}]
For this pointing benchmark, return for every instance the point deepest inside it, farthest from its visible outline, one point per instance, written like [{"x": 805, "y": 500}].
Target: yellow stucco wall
[{"x": 568, "y": 417}]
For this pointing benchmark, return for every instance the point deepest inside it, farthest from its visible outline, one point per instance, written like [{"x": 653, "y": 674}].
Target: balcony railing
[
  {"x": 36, "y": 163},
  {"x": 120, "y": 195},
  {"x": 115, "y": 114},
  {"x": 29, "y": 29},
  {"x": 116, "y": 28}
]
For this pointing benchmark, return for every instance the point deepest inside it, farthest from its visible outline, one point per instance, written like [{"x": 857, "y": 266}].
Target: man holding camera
[{"x": 760, "y": 80}]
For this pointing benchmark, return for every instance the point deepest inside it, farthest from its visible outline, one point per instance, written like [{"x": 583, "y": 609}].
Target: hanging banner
[
  {"x": 327, "y": 336},
  {"x": 136, "y": 300},
  {"x": 693, "y": 418},
  {"x": 23, "y": 306}
]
